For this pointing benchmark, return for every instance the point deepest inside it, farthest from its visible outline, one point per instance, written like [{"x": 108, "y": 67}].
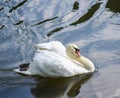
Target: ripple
[
  {"x": 19, "y": 22},
  {"x": 18, "y": 5},
  {"x": 2, "y": 26},
  {"x": 88, "y": 15},
  {"x": 1, "y": 8},
  {"x": 91, "y": 24},
  {"x": 82, "y": 19},
  {"x": 44, "y": 21}
]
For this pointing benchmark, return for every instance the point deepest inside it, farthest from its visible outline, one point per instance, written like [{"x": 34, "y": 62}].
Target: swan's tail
[
  {"x": 23, "y": 69},
  {"x": 27, "y": 72}
]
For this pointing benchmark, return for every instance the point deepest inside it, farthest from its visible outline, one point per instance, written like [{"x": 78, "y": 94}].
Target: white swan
[{"x": 52, "y": 59}]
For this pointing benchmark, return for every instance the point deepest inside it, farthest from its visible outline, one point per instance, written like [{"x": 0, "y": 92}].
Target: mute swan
[{"x": 52, "y": 59}]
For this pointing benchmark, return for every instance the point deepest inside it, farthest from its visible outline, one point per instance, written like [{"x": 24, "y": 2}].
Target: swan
[{"x": 52, "y": 59}]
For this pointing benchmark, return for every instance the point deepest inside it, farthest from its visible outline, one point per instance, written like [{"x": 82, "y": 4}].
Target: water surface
[{"x": 93, "y": 25}]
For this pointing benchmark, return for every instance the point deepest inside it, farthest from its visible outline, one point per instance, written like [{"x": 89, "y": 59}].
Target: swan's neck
[{"x": 87, "y": 64}]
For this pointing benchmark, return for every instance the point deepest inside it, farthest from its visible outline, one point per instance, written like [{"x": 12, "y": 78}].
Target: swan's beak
[{"x": 78, "y": 53}]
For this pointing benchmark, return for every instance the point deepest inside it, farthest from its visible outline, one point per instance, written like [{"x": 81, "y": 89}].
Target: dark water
[{"x": 94, "y": 25}]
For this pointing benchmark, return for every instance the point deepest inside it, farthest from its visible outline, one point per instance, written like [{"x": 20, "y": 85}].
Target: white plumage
[{"x": 52, "y": 59}]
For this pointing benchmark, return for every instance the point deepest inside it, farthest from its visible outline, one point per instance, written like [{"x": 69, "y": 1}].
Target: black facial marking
[{"x": 76, "y": 49}]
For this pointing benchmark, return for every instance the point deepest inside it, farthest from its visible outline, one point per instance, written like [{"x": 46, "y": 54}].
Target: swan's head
[{"x": 73, "y": 51}]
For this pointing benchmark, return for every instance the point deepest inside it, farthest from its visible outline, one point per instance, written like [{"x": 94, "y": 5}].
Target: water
[{"x": 94, "y": 25}]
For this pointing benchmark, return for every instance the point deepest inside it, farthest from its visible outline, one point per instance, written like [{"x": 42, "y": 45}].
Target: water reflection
[
  {"x": 87, "y": 23},
  {"x": 113, "y": 5},
  {"x": 75, "y": 6},
  {"x": 1, "y": 27},
  {"x": 18, "y": 5},
  {"x": 59, "y": 87},
  {"x": 44, "y": 21},
  {"x": 88, "y": 15},
  {"x": 7, "y": 1},
  {"x": 19, "y": 22},
  {"x": 55, "y": 30},
  {"x": 82, "y": 19},
  {"x": 1, "y": 8}
]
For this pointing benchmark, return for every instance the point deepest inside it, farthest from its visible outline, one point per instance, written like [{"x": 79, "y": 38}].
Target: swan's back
[{"x": 54, "y": 46}]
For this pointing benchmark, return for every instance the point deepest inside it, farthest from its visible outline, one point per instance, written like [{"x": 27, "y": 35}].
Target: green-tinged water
[{"x": 93, "y": 25}]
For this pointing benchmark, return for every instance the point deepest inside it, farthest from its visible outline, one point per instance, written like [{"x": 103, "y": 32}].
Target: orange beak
[{"x": 78, "y": 53}]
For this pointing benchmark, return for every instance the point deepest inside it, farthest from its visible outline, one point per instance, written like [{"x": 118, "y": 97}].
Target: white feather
[{"x": 51, "y": 60}]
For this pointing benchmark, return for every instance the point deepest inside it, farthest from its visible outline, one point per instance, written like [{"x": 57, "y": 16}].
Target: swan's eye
[
  {"x": 77, "y": 52},
  {"x": 76, "y": 49}
]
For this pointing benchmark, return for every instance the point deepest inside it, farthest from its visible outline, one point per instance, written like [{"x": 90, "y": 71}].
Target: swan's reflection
[{"x": 59, "y": 87}]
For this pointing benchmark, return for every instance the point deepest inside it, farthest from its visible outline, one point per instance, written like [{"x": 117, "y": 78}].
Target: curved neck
[{"x": 87, "y": 64}]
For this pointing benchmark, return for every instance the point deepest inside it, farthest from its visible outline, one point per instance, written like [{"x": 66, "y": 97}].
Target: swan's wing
[
  {"x": 49, "y": 45},
  {"x": 46, "y": 64},
  {"x": 54, "y": 46},
  {"x": 44, "y": 46},
  {"x": 50, "y": 64}
]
